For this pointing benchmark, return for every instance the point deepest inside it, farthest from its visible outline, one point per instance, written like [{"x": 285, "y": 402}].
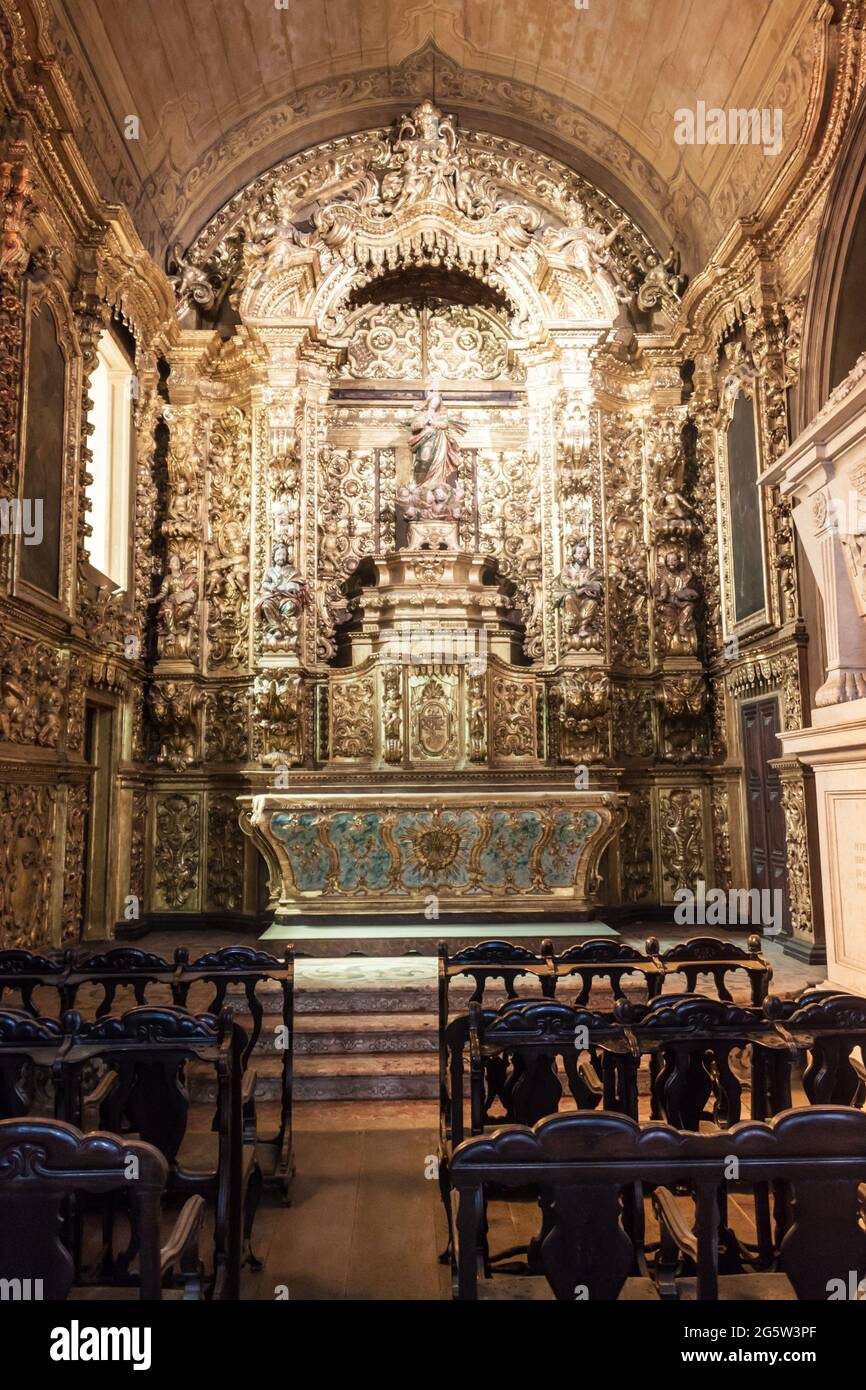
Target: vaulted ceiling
[{"x": 225, "y": 88}]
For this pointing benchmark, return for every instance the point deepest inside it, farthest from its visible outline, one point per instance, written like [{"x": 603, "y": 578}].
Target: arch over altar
[{"x": 424, "y": 391}]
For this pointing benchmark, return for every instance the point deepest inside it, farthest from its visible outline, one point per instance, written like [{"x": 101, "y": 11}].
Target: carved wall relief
[
  {"x": 175, "y": 709},
  {"x": 26, "y": 853},
  {"x": 228, "y": 550},
  {"x": 628, "y": 584},
  {"x": 176, "y": 864},
  {"x": 277, "y": 702},
  {"x": 433, "y": 718},
  {"x": 582, "y": 702},
  {"x": 177, "y": 599},
  {"x": 681, "y": 838},
  {"x": 392, "y": 714},
  {"x": 226, "y": 718},
  {"x": 138, "y": 846},
  {"x": 225, "y": 854},
  {"x": 477, "y": 716},
  {"x": 71, "y": 919},
  {"x": 796, "y": 846},
  {"x": 636, "y": 850},
  {"x": 720, "y": 809},
  {"x": 512, "y": 718},
  {"x": 508, "y": 488},
  {"x": 632, "y": 724},
  {"x": 33, "y": 680},
  {"x": 683, "y": 703}
]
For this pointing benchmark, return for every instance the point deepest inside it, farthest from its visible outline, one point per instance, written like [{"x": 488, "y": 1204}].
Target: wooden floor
[{"x": 365, "y": 1222}]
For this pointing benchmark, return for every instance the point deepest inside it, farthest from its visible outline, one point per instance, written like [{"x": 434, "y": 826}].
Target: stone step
[
  {"x": 373, "y": 1076},
  {"x": 317, "y": 1034}
]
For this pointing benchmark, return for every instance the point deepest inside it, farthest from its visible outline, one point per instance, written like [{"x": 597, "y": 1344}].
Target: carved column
[
  {"x": 16, "y": 213},
  {"x": 806, "y": 911}
]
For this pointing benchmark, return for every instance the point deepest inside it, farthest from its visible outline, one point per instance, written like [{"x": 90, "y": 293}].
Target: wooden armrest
[
  {"x": 671, "y": 1217},
  {"x": 92, "y": 1103},
  {"x": 589, "y": 1077},
  {"x": 181, "y": 1251},
  {"x": 103, "y": 1089},
  {"x": 248, "y": 1087}
]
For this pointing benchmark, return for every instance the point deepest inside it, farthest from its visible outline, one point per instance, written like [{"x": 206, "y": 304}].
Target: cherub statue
[
  {"x": 282, "y": 596},
  {"x": 662, "y": 280}
]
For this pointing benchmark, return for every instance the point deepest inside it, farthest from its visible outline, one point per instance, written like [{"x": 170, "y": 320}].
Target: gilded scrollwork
[
  {"x": 225, "y": 857},
  {"x": 582, "y": 701},
  {"x": 277, "y": 703},
  {"x": 175, "y": 708},
  {"x": 226, "y": 717},
  {"x": 636, "y": 850},
  {"x": 176, "y": 854},
  {"x": 33, "y": 683},
  {"x": 681, "y": 812},
  {"x": 26, "y": 854},
  {"x": 71, "y": 917},
  {"x": 228, "y": 550}
]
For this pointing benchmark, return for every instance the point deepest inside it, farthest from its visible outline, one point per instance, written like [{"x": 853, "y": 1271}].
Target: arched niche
[{"x": 834, "y": 326}]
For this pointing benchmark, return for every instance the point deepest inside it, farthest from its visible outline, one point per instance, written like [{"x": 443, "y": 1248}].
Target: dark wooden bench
[
  {"x": 127, "y": 967},
  {"x": 146, "y": 1052},
  {"x": 605, "y": 958},
  {"x": 483, "y": 963},
  {"x": 709, "y": 956},
  {"x": 587, "y": 1164},
  {"x": 689, "y": 1039},
  {"x": 46, "y": 1166}
]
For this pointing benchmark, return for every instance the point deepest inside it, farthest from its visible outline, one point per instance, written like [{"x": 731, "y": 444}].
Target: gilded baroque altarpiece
[{"x": 431, "y": 533}]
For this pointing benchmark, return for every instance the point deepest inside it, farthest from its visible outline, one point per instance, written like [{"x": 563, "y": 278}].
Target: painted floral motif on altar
[{"x": 461, "y": 851}]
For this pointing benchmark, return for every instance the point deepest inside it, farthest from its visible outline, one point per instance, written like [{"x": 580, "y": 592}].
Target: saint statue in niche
[
  {"x": 176, "y": 602},
  {"x": 282, "y": 596},
  {"x": 436, "y": 494},
  {"x": 676, "y": 597},
  {"x": 581, "y": 589}
]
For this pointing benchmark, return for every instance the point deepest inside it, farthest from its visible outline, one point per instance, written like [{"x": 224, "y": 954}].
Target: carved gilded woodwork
[
  {"x": 683, "y": 703},
  {"x": 351, "y": 709},
  {"x": 582, "y": 702},
  {"x": 33, "y": 681},
  {"x": 392, "y": 714},
  {"x": 681, "y": 839},
  {"x": 628, "y": 586},
  {"x": 226, "y": 712},
  {"x": 277, "y": 705},
  {"x": 434, "y": 721},
  {"x": 71, "y": 916},
  {"x": 227, "y": 564},
  {"x": 552, "y": 251},
  {"x": 791, "y": 780},
  {"x": 176, "y": 852},
  {"x": 176, "y": 709},
  {"x": 225, "y": 855},
  {"x": 632, "y": 725},
  {"x": 27, "y": 839},
  {"x": 352, "y": 852},
  {"x": 636, "y": 850},
  {"x": 720, "y": 812}
]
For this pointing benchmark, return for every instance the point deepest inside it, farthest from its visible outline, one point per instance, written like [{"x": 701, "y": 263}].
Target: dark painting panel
[
  {"x": 747, "y": 541},
  {"x": 43, "y": 451}
]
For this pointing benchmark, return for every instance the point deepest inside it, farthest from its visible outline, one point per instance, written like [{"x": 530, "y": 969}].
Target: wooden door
[{"x": 768, "y": 867}]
